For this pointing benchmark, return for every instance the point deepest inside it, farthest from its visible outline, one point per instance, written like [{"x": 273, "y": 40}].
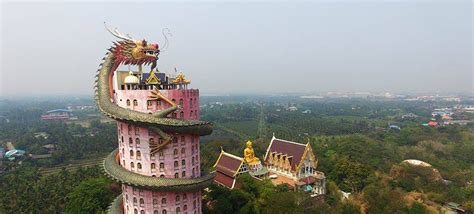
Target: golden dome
[{"x": 131, "y": 79}]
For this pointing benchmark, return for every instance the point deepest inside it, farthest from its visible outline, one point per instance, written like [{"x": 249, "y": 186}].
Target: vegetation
[{"x": 351, "y": 139}]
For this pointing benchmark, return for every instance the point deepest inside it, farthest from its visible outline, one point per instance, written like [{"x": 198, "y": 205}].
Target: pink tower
[{"x": 165, "y": 180}]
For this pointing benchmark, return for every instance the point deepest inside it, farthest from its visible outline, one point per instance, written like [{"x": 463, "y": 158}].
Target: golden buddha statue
[{"x": 249, "y": 154}]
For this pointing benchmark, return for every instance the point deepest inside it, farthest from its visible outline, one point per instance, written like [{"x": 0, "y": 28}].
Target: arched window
[
  {"x": 163, "y": 212},
  {"x": 130, "y": 141},
  {"x": 142, "y": 202},
  {"x": 155, "y": 212},
  {"x": 175, "y": 152},
  {"x": 193, "y": 173},
  {"x": 158, "y": 102},
  {"x": 134, "y": 200},
  {"x": 137, "y": 141},
  {"x": 185, "y": 207},
  {"x": 181, "y": 114},
  {"x": 131, "y": 153},
  {"x": 191, "y": 103},
  {"x": 155, "y": 201},
  {"x": 126, "y": 197},
  {"x": 128, "y": 102},
  {"x": 139, "y": 154},
  {"x": 178, "y": 210},
  {"x": 122, "y": 139},
  {"x": 163, "y": 201},
  {"x": 137, "y": 130},
  {"x": 185, "y": 197},
  {"x": 135, "y": 211},
  {"x": 153, "y": 166},
  {"x": 132, "y": 165},
  {"x": 181, "y": 102},
  {"x": 191, "y": 114},
  {"x": 124, "y": 163},
  {"x": 183, "y": 162},
  {"x": 175, "y": 164},
  {"x": 177, "y": 198},
  {"x": 183, "y": 174},
  {"x": 162, "y": 166},
  {"x": 182, "y": 139},
  {"x": 183, "y": 151},
  {"x": 142, "y": 212},
  {"x": 151, "y": 140},
  {"x": 139, "y": 165},
  {"x": 123, "y": 152},
  {"x": 192, "y": 160},
  {"x": 135, "y": 103},
  {"x": 162, "y": 176},
  {"x": 176, "y": 175}
]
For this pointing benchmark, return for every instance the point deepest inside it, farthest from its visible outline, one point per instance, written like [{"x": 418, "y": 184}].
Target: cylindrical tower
[
  {"x": 157, "y": 181},
  {"x": 180, "y": 159}
]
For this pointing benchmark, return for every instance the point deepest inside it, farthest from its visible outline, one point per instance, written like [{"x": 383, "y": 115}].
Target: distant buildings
[
  {"x": 58, "y": 114},
  {"x": 292, "y": 108},
  {"x": 307, "y": 111}
]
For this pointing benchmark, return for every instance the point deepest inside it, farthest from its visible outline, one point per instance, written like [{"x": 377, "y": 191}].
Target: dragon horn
[{"x": 117, "y": 34}]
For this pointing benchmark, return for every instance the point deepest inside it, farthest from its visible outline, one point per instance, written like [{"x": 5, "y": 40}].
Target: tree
[{"x": 90, "y": 196}]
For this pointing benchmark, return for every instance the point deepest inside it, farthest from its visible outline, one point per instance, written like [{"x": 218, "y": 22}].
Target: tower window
[
  {"x": 139, "y": 165},
  {"x": 153, "y": 166},
  {"x": 183, "y": 174},
  {"x": 131, "y": 153},
  {"x": 176, "y": 164},
  {"x": 128, "y": 102},
  {"x": 135, "y": 103},
  {"x": 163, "y": 201},
  {"x": 139, "y": 154},
  {"x": 176, "y": 175},
  {"x": 181, "y": 114}
]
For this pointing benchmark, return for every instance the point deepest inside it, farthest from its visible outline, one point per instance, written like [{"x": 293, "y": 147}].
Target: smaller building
[
  {"x": 57, "y": 114},
  {"x": 228, "y": 167},
  {"x": 432, "y": 123},
  {"x": 50, "y": 147},
  {"x": 14, "y": 153}
]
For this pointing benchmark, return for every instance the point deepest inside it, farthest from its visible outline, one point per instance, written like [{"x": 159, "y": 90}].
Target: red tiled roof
[
  {"x": 432, "y": 123},
  {"x": 228, "y": 164},
  {"x": 287, "y": 148},
  {"x": 224, "y": 179}
]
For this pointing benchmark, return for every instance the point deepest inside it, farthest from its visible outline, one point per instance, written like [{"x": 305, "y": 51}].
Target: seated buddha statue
[{"x": 249, "y": 154}]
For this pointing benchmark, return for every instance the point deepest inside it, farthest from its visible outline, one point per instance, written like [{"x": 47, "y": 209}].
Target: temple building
[
  {"x": 228, "y": 167},
  {"x": 294, "y": 164},
  {"x": 285, "y": 162}
]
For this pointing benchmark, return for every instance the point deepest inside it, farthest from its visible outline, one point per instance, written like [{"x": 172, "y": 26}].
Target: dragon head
[{"x": 133, "y": 52}]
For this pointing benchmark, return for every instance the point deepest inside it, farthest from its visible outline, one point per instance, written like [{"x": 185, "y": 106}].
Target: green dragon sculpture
[
  {"x": 129, "y": 51},
  {"x": 134, "y": 52}
]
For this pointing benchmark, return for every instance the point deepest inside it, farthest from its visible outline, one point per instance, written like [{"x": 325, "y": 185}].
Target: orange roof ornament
[{"x": 180, "y": 79}]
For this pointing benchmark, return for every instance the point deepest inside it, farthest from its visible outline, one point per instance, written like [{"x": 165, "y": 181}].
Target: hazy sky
[{"x": 241, "y": 47}]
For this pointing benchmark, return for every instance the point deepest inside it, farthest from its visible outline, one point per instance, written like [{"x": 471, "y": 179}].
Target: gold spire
[
  {"x": 152, "y": 79},
  {"x": 180, "y": 79}
]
